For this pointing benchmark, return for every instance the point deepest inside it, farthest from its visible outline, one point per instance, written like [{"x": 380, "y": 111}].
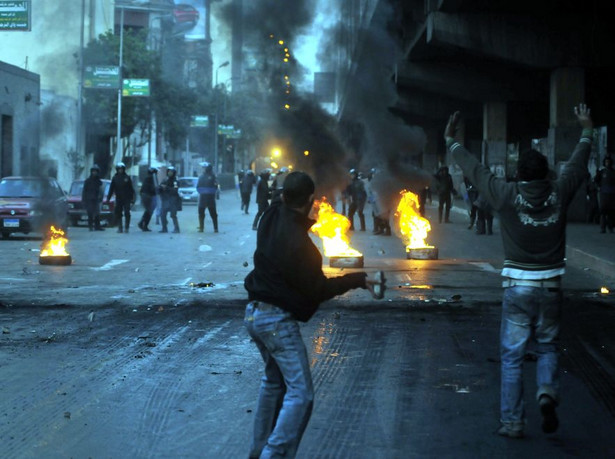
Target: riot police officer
[
  {"x": 207, "y": 186},
  {"x": 91, "y": 197},
  {"x": 171, "y": 201},
  {"x": 262, "y": 195},
  {"x": 148, "y": 198},
  {"x": 357, "y": 194},
  {"x": 121, "y": 186}
]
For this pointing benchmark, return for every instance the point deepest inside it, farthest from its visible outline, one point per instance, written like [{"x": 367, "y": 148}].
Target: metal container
[
  {"x": 56, "y": 260},
  {"x": 346, "y": 262},
  {"x": 422, "y": 253}
]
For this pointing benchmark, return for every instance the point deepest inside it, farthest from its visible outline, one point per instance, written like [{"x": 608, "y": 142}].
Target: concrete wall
[{"x": 19, "y": 121}]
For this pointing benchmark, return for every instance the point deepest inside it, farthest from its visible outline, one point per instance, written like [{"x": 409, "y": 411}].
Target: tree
[{"x": 170, "y": 102}]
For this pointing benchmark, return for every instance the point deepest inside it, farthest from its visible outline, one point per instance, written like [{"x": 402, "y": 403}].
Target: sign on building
[
  {"x": 15, "y": 16},
  {"x": 135, "y": 87},
  {"x": 101, "y": 77}
]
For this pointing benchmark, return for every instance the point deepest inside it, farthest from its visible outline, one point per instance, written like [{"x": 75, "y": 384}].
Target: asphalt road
[{"x": 119, "y": 355}]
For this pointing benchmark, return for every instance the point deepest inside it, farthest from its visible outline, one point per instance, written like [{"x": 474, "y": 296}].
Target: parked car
[
  {"x": 76, "y": 209},
  {"x": 187, "y": 189},
  {"x": 31, "y": 205}
]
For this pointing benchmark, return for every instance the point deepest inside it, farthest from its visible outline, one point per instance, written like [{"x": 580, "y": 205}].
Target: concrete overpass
[{"x": 514, "y": 68}]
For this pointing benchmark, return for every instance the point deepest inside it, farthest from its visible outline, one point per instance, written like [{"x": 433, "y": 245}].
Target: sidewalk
[{"x": 586, "y": 247}]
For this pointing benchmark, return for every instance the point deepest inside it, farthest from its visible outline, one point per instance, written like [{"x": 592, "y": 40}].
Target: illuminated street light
[
  {"x": 276, "y": 152},
  {"x": 306, "y": 153}
]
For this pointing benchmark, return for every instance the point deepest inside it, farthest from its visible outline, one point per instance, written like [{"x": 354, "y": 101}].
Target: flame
[
  {"x": 333, "y": 228},
  {"x": 604, "y": 290},
  {"x": 55, "y": 245},
  {"x": 412, "y": 226}
]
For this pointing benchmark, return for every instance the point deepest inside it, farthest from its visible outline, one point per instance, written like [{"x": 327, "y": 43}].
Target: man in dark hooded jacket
[
  {"x": 287, "y": 285},
  {"x": 532, "y": 215},
  {"x": 148, "y": 198},
  {"x": 245, "y": 187}
]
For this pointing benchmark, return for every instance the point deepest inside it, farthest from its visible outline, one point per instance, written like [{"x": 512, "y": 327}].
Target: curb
[{"x": 581, "y": 259}]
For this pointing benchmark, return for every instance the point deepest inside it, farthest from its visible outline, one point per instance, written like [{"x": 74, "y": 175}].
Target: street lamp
[{"x": 224, "y": 64}]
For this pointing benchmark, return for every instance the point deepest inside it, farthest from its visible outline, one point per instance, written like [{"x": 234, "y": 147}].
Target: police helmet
[
  {"x": 120, "y": 165},
  {"x": 95, "y": 168},
  {"x": 250, "y": 172},
  {"x": 283, "y": 170},
  {"x": 353, "y": 173},
  {"x": 152, "y": 170},
  {"x": 171, "y": 169},
  {"x": 205, "y": 164}
]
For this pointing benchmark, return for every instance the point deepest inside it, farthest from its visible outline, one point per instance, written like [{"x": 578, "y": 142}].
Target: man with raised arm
[{"x": 532, "y": 213}]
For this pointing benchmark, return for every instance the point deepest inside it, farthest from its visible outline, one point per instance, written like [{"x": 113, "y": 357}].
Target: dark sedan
[{"x": 31, "y": 205}]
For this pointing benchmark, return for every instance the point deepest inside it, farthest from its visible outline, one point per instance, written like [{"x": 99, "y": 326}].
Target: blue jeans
[
  {"x": 528, "y": 313},
  {"x": 286, "y": 393}
]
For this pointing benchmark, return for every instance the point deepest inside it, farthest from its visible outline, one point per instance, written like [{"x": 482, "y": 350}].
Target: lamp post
[{"x": 224, "y": 64}]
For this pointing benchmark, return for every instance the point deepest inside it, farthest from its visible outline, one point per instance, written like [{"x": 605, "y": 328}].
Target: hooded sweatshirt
[{"x": 532, "y": 214}]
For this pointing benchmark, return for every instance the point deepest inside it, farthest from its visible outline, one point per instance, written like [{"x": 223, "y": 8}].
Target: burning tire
[{"x": 56, "y": 260}]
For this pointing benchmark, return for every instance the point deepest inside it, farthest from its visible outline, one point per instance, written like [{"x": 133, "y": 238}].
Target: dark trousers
[
  {"x": 444, "y": 203},
  {"x": 484, "y": 222},
  {"x": 93, "y": 210},
  {"x": 358, "y": 208},
  {"x": 245, "y": 201},
  {"x": 149, "y": 204},
  {"x": 122, "y": 207},
  {"x": 172, "y": 210},
  {"x": 208, "y": 202}
]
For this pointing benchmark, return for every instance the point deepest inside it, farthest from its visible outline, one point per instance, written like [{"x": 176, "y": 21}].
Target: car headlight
[{"x": 35, "y": 213}]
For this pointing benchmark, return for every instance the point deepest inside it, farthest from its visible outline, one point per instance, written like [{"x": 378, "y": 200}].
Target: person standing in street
[
  {"x": 278, "y": 182},
  {"x": 605, "y": 180},
  {"x": 91, "y": 197},
  {"x": 358, "y": 196},
  {"x": 472, "y": 197},
  {"x": 121, "y": 186},
  {"x": 148, "y": 198},
  {"x": 532, "y": 213},
  {"x": 171, "y": 200},
  {"x": 262, "y": 196},
  {"x": 207, "y": 186},
  {"x": 285, "y": 287},
  {"x": 445, "y": 187},
  {"x": 246, "y": 186}
]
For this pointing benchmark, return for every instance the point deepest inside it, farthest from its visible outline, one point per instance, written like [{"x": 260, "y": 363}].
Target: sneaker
[
  {"x": 511, "y": 431},
  {"x": 549, "y": 416}
]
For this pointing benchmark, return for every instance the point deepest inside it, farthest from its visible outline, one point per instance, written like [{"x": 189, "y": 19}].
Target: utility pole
[
  {"x": 119, "y": 90},
  {"x": 78, "y": 140}
]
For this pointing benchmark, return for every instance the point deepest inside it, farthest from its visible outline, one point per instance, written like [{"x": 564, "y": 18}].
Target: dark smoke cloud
[{"x": 384, "y": 142}]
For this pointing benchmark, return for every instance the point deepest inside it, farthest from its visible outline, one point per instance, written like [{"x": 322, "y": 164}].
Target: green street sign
[
  {"x": 135, "y": 87},
  {"x": 236, "y": 134},
  {"x": 199, "y": 121},
  {"x": 225, "y": 129},
  {"x": 101, "y": 77},
  {"x": 15, "y": 16}
]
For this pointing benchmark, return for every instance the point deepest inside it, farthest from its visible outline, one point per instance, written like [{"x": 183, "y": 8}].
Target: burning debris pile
[
  {"x": 333, "y": 228},
  {"x": 414, "y": 228},
  {"x": 53, "y": 248}
]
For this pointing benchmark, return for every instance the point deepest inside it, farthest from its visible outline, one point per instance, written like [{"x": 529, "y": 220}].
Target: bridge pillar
[{"x": 494, "y": 136}]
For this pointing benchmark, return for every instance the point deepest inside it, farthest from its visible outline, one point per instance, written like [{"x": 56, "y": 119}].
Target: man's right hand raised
[{"x": 583, "y": 114}]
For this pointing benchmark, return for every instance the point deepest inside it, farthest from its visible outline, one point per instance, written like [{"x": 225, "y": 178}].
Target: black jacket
[
  {"x": 288, "y": 267},
  {"x": 148, "y": 187},
  {"x": 263, "y": 194},
  {"x": 121, "y": 185},
  {"x": 92, "y": 190}
]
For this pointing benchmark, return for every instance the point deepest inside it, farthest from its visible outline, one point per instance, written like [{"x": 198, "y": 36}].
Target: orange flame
[
  {"x": 55, "y": 245},
  {"x": 412, "y": 226},
  {"x": 333, "y": 228}
]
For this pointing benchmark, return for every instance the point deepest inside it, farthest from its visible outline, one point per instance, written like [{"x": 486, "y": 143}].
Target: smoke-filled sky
[{"x": 314, "y": 33}]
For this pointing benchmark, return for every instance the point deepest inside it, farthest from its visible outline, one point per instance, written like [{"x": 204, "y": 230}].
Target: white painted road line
[{"x": 111, "y": 264}]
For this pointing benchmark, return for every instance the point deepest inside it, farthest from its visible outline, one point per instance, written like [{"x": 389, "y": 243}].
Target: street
[{"x": 137, "y": 350}]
